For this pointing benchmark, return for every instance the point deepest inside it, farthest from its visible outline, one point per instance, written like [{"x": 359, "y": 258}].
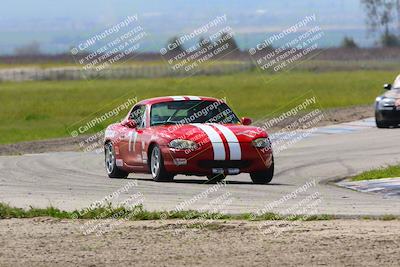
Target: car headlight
[
  {"x": 182, "y": 144},
  {"x": 262, "y": 142},
  {"x": 387, "y": 102}
]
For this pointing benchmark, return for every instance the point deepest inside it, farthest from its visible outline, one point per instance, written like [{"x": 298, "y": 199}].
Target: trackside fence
[{"x": 121, "y": 72}]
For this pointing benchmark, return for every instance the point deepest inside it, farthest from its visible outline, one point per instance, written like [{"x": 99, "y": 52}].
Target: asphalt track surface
[{"x": 74, "y": 180}]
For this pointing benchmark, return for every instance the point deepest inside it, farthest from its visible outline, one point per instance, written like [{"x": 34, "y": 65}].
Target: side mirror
[
  {"x": 246, "y": 121},
  {"x": 130, "y": 124},
  {"x": 387, "y": 86}
]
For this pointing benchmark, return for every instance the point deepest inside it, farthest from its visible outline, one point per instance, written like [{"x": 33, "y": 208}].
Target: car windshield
[
  {"x": 396, "y": 83},
  {"x": 192, "y": 111}
]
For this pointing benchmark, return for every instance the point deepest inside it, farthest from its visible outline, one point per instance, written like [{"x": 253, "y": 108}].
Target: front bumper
[
  {"x": 388, "y": 115},
  {"x": 201, "y": 161}
]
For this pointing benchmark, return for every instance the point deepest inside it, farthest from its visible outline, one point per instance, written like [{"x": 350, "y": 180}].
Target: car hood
[
  {"x": 210, "y": 131},
  {"x": 394, "y": 93}
]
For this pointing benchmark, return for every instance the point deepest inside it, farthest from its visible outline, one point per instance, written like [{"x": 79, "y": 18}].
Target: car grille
[{"x": 224, "y": 163}]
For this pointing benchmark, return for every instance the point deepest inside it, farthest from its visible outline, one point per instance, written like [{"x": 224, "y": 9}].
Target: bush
[
  {"x": 349, "y": 42},
  {"x": 390, "y": 40}
]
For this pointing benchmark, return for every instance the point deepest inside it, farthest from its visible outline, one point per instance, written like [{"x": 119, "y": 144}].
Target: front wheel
[
  {"x": 263, "y": 177},
  {"x": 112, "y": 169},
  {"x": 382, "y": 124},
  {"x": 157, "y": 168}
]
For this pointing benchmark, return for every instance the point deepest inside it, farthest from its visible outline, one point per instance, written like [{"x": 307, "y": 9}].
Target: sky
[{"x": 59, "y": 25}]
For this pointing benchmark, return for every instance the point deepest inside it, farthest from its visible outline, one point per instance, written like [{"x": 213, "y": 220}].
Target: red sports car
[{"x": 189, "y": 135}]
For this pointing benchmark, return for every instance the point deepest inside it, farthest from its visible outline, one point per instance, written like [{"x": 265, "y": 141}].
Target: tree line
[{"x": 383, "y": 18}]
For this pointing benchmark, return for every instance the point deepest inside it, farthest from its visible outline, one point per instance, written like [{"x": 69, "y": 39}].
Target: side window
[{"x": 138, "y": 115}]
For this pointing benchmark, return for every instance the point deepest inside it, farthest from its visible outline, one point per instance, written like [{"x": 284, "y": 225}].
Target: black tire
[
  {"x": 382, "y": 124},
  {"x": 157, "y": 167},
  {"x": 263, "y": 177},
  {"x": 215, "y": 178},
  {"x": 111, "y": 167}
]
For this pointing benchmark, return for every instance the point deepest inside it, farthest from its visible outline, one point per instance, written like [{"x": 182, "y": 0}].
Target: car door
[
  {"x": 130, "y": 148},
  {"x": 137, "y": 143}
]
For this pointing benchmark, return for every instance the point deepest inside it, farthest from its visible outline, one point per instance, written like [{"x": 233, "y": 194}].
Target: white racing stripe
[
  {"x": 177, "y": 98},
  {"x": 233, "y": 142},
  {"x": 191, "y": 97},
  {"x": 216, "y": 140}
]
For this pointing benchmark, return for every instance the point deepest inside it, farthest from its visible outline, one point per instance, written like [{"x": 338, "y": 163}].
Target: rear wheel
[
  {"x": 112, "y": 169},
  {"x": 157, "y": 168},
  {"x": 263, "y": 177}
]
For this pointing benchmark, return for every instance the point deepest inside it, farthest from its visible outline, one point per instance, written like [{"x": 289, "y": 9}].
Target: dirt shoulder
[
  {"x": 49, "y": 242},
  {"x": 41, "y": 146},
  {"x": 332, "y": 116}
]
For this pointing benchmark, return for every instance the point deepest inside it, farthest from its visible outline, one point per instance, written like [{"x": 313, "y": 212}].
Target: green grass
[
  {"x": 384, "y": 172},
  {"x": 49, "y": 109},
  {"x": 139, "y": 213},
  {"x": 386, "y": 217}
]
